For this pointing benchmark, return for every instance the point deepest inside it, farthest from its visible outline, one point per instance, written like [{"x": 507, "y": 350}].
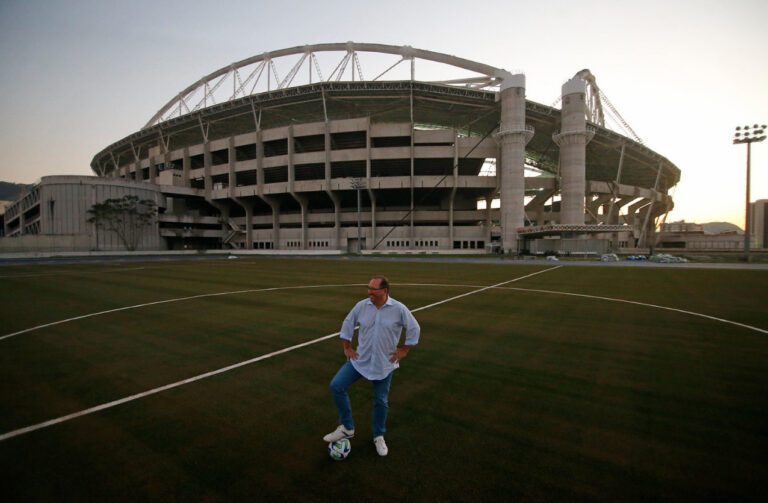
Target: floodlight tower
[{"x": 748, "y": 135}]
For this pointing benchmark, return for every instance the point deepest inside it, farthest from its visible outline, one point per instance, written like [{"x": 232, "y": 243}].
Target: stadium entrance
[{"x": 355, "y": 245}]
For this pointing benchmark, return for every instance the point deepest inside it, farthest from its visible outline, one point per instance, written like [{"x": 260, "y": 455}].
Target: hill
[
  {"x": 10, "y": 191},
  {"x": 721, "y": 227}
]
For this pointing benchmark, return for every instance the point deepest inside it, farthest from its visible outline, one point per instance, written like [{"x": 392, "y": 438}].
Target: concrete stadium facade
[
  {"x": 53, "y": 216},
  {"x": 351, "y": 164}
]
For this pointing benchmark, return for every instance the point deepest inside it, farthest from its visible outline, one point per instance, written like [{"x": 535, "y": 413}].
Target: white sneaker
[
  {"x": 381, "y": 446},
  {"x": 339, "y": 434}
]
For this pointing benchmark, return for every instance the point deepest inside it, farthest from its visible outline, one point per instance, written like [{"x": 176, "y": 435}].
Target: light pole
[{"x": 748, "y": 135}]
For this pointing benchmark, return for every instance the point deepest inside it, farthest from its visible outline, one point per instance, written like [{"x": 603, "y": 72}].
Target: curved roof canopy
[
  {"x": 309, "y": 64},
  {"x": 348, "y": 80}
]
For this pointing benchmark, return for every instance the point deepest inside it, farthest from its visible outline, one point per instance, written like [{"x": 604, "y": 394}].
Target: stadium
[
  {"x": 205, "y": 378},
  {"x": 342, "y": 148}
]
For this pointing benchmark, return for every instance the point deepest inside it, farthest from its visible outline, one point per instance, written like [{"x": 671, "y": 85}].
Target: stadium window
[
  {"x": 481, "y": 244},
  {"x": 456, "y": 245},
  {"x": 472, "y": 244}
]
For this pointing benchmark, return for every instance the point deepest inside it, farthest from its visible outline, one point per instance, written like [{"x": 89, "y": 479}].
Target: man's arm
[
  {"x": 349, "y": 351},
  {"x": 347, "y": 331},
  {"x": 412, "y": 333},
  {"x": 399, "y": 353}
]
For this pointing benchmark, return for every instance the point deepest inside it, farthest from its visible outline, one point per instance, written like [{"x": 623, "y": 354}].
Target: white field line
[
  {"x": 609, "y": 299},
  {"x": 51, "y": 422},
  {"x": 167, "y": 301},
  {"x": 448, "y": 285},
  {"x": 656, "y": 306},
  {"x": 69, "y": 273}
]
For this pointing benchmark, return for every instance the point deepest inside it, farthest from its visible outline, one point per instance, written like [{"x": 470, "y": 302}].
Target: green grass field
[{"x": 513, "y": 394}]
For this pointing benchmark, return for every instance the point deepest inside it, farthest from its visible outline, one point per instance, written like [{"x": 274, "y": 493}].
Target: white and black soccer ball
[{"x": 340, "y": 449}]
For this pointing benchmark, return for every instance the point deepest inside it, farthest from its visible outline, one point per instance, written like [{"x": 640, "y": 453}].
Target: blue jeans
[{"x": 341, "y": 383}]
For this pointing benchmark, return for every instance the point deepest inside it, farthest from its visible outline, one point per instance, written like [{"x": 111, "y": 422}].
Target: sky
[{"x": 76, "y": 76}]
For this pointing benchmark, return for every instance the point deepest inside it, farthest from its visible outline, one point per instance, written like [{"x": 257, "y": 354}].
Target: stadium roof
[{"x": 468, "y": 103}]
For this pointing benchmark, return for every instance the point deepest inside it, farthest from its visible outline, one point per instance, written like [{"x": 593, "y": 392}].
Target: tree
[{"x": 126, "y": 216}]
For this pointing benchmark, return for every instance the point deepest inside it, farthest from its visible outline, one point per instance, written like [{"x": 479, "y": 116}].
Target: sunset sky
[{"x": 79, "y": 75}]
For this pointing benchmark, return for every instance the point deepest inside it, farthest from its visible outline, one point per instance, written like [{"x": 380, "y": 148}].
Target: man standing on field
[{"x": 381, "y": 319}]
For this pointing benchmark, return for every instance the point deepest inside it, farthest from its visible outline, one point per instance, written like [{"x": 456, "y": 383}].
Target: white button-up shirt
[{"x": 378, "y": 336}]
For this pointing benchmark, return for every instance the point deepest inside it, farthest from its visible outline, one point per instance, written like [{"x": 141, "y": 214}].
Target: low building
[
  {"x": 691, "y": 236},
  {"x": 53, "y": 215},
  {"x": 759, "y": 223}
]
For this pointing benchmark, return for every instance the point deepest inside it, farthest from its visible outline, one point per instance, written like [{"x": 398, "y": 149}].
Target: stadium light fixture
[{"x": 748, "y": 135}]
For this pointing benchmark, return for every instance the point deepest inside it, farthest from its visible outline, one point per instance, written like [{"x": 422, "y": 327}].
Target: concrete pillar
[
  {"x": 248, "y": 207},
  {"x": 334, "y": 197},
  {"x": 208, "y": 181},
  {"x": 512, "y": 137},
  {"x": 152, "y": 171},
  {"x": 593, "y": 208},
  {"x": 300, "y": 198},
  {"x": 411, "y": 225},
  {"x": 231, "y": 176},
  {"x": 572, "y": 140},
  {"x": 536, "y": 205},
  {"x": 371, "y": 195},
  {"x": 186, "y": 165},
  {"x": 260, "y": 191},
  {"x": 451, "y": 232}
]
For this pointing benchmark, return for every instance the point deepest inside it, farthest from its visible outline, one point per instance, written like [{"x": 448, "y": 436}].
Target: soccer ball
[{"x": 339, "y": 450}]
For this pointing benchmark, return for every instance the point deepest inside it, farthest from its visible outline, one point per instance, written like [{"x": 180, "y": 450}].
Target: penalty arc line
[
  {"x": 634, "y": 302},
  {"x": 97, "y": 408},
  {"x": 167, "y": 301}
]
